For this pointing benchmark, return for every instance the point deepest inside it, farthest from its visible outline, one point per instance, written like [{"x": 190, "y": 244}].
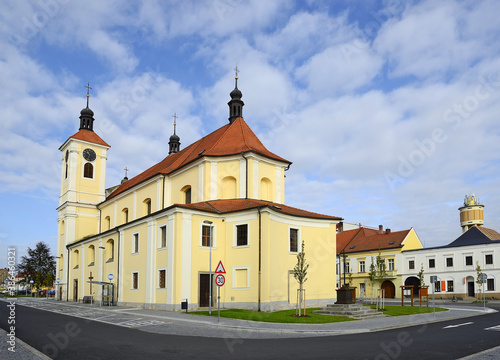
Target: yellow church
[{"x": 155, "y": 240}]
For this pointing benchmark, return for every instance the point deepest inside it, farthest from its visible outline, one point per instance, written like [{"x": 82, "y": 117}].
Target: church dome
[
  {"x": 86, "y": 112},
  {"x": 236, "y": 94},
  {"x": 174, "y": 137}
]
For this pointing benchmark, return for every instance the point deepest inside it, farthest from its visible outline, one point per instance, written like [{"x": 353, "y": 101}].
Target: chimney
[
  {"x": 387, "y": 231},
  {"x": 340, "y": 227},
  {"x": 381, "y": 229}
]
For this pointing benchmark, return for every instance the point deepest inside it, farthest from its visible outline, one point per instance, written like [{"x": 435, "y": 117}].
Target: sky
[{"x": 388, "y": 109}]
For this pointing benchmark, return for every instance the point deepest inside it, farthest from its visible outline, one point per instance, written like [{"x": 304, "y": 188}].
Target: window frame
[
  {"x": 490, "y": 281},
  {"x": 486, "y": 257},
  {"x": 448, "y": 287},
  {"x": 158, "y": 284},
  {"x": 134, "y": 280},
  {"x": 433, "y": 263},
  {"x": 449, "y": 261},
  {"x": 389, "y": 263},
  {"x": 237, "y": 227},
  {"x": 135, "y": 243},
  {"x": 214, "y": 235},
  {"x": 411, "y": 264},
  {"x": 160, "y": 236},
  {"x": 88, "y": 167},
  {"x": 467, "y": 257},
  {"x": 362, "y": 266},
  {"x": 235, "y": 268},
  {"x": 298, "y": 241}
]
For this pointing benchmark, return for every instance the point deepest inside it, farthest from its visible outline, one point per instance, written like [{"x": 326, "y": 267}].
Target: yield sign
[{"x": 220, "y": 268}]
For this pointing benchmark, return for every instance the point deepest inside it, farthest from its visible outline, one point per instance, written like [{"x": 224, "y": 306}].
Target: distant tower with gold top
[{"x": 471, "y": 213}]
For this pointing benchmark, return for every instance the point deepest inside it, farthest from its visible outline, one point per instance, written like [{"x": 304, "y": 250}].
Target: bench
[{"x": 87, "y": 300}]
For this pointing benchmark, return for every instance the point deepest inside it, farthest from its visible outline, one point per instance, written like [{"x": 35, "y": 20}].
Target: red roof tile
[
  {"x": 364, "y": 239},
  {"x": 89, "y": 136},
  {"x": 231, "y": 139},
  {"x": 233, "y": 205},
  {"x": 491, "y": 234}
]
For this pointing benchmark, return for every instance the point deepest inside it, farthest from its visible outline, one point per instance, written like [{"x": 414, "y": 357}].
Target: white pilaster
[
  {"x": 150, "y": 263},
  {"x": 200, "y": 183},
  {"x": 213, "y": 180},
  {"x": 278, "y": 184},
  {"x": 170, "y": 260},
  {"x": 243, "y": 178},
  {"x": 186, "y": 257},
  {"x": 256, "y": 179}
]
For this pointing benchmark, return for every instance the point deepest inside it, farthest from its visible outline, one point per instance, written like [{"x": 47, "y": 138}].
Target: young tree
[
  {"x": 372, "y": 275},
  {"x": 300, "y": 273},
  {"x": 39, "y": 265},
  {"x": 421, "y": 276}
]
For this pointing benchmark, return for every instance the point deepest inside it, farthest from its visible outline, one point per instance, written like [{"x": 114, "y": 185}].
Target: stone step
[{"x": 354, "y": 311}]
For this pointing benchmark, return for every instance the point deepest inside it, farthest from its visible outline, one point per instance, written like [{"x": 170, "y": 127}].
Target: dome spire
[
  {"x": 174, "y": 144},
  {"x": 87, "y": 115},
  {"x": 235, "y": 104}
]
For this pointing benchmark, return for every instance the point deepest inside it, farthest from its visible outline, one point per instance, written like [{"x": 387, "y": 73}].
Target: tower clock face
[{"x": 89, "y": 154}]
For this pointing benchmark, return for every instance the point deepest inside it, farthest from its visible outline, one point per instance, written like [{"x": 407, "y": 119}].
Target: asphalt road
[{"x": 65, "y": 337}]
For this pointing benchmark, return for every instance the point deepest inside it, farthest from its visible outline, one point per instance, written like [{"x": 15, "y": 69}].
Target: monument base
[{"x": 344, "y": 295}]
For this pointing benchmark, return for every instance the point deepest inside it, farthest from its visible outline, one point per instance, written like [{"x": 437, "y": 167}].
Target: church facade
[{"x": 156, "y": 239}]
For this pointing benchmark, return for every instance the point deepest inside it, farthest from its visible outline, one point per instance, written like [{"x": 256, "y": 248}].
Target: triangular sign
[{"x": 220, "y": 268}]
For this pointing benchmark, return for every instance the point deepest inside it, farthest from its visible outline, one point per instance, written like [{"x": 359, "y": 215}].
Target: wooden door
[
  {"x": 390, "y": 289},
  {"x": 205, "y": 290}
]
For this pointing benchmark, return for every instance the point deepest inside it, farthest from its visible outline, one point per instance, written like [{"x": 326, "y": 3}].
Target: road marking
[
  {"x": 497, "y": 328},
  {"x": 454, "y": 326}
]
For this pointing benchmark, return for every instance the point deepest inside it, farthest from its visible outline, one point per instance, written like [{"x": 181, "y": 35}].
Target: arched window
[
  {"x": 147, "y": 206},
  {"x": 91, "y": 255},
  {"x": 76, "y": 259},
  {"x": 107, "y": 222},
  {"x": 110, "y": 250},
  {"x": 265, "y": 192},
  {"x": 125, "y": 216},
  {"x": 229, "y": 188},
  {"x": 186, "y": 193},
  {"x": 88, "y": 171},
  {"x": 61, "y": 262}
]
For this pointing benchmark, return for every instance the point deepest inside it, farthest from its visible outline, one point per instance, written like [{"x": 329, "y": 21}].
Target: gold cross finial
[
  {"x": 126, "y": 171},
  {"x": 175, "y": 118},
  {"x": 88, "y": 93},
  {"x": 236, "y": 70}
]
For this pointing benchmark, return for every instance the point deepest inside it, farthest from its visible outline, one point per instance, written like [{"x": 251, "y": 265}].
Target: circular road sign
[
  {"x": 32, "y": 281},
  {"x": 110, "y": 277},
  {"x": 58, "y": 280},
  {"x": 220, "y": 280}
]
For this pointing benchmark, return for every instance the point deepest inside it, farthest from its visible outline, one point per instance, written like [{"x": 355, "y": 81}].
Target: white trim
[
  {"x": 235, "y": 234},
  {"x": 132, "y": 280},
  {"x": 186, "y": 256},
  {"x": 299, "y": 240},
  {"x": 134, "y": 207},
  {"x": 158, "y": 197},
  {"x": 200, "y": 183},
  {"x": 150, "y": 262},
  {"x": 134, "y": 236},
  {"x": 278, "y": 185},
  {"x": 160, "y": 226},
  {"x": 247, "y": 268},
  {"x": 255, "y": 178},
  {"x": 158, "y": 279},
  {"x": 243, "y": 178},
  {"x": 214, "y": 235},
  {"x": 83, "y": 170},
  {"x": 213, "y": 180},
  {"x": 170, "y": 259}
]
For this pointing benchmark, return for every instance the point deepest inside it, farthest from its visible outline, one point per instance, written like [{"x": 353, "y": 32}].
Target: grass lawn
[
  {"x": 284, "y": 316},
  {"x": 407, "y": 310}
]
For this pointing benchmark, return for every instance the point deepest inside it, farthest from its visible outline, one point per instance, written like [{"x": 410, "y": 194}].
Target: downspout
[
  {"x": 260, "y": 255},
  {"x": 67, "y": 277},
  {"x": 246, "y": 177},
  {"x": 163, "y": 194}
]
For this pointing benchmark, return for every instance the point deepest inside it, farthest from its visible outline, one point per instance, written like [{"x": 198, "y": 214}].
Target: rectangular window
[
  {"x": 390, "y": 262},
  {"x": 488, "y": 259},
  {"x": 432, "y": 263},
  {"x": 449, "y": 285},
  {"x": 135, "y": 280},
  {"x": 163, "y": 236},
  {"x": 347, "y": 266},
  {"x": 361, "y": 266},
  {"x": 242, "y": 235},
  {"x": 162, "y": 279},
  {"x": 294, "y": 240},
  {"x": 449, "y": 262},
  {"x": 135, "y": 244},
  {"x": 490, "y": 284},
  {"x": 468, "y": 260},
  {"x": 411, "y": 264},
  {"x": 205, "y": 235},
  {"x": 437, "y": 286}
]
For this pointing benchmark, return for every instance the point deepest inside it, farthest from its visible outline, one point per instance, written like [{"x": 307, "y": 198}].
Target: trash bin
[{"x": 184, "y": 305}]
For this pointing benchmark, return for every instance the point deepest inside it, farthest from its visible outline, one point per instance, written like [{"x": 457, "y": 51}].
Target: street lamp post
[{"x": 210, "y": 269}]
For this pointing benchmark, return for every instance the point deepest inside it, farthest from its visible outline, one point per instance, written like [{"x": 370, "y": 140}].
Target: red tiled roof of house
[
  {"x": 491, "y": 234},
  {"x": 364, "y": 239},
  {"x": 89, "y": 136},
  {"x": 232, "y": 205},
  {"x": 231, "y": 139}
]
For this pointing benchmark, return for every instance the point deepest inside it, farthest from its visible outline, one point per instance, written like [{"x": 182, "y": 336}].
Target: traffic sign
[
  {"x": 220, "y": 268},
  {"x": 110, "y": 277},
  {"x": 6, "y": 279},
  {"x": 220, "y": 280},
  {"x": 434, "y": 279},
  {"x": 483, "y": 277},
  {"x": 58, "y": 280},
  {"x": 32, "y": 281}
]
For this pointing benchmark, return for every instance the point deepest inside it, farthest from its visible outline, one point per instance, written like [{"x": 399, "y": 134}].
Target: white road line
[
  {"x": 497, "y": 328},
  {"x": 454, "y": 326}
]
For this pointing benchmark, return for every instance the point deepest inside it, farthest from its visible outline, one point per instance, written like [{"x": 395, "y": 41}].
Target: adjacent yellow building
[
  {"x": 148, "y": 241},
  {"x": 362, "y": 246}
]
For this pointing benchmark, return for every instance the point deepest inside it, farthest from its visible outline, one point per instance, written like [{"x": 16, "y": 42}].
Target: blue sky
[{"x": 387, "y": 109}]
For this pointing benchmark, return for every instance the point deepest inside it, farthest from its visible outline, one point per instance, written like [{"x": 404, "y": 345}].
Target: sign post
[
  {"x": 220, "y": 280},
  {"x": 433, "y": 281},
  {"x": 483, "y": 278}
]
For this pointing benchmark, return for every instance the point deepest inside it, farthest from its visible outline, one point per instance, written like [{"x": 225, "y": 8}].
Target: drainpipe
[
  {"x": 246, "y": 175},
  {"x": 163, "y": 194},
  {"x": 260, "y": 254}
]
